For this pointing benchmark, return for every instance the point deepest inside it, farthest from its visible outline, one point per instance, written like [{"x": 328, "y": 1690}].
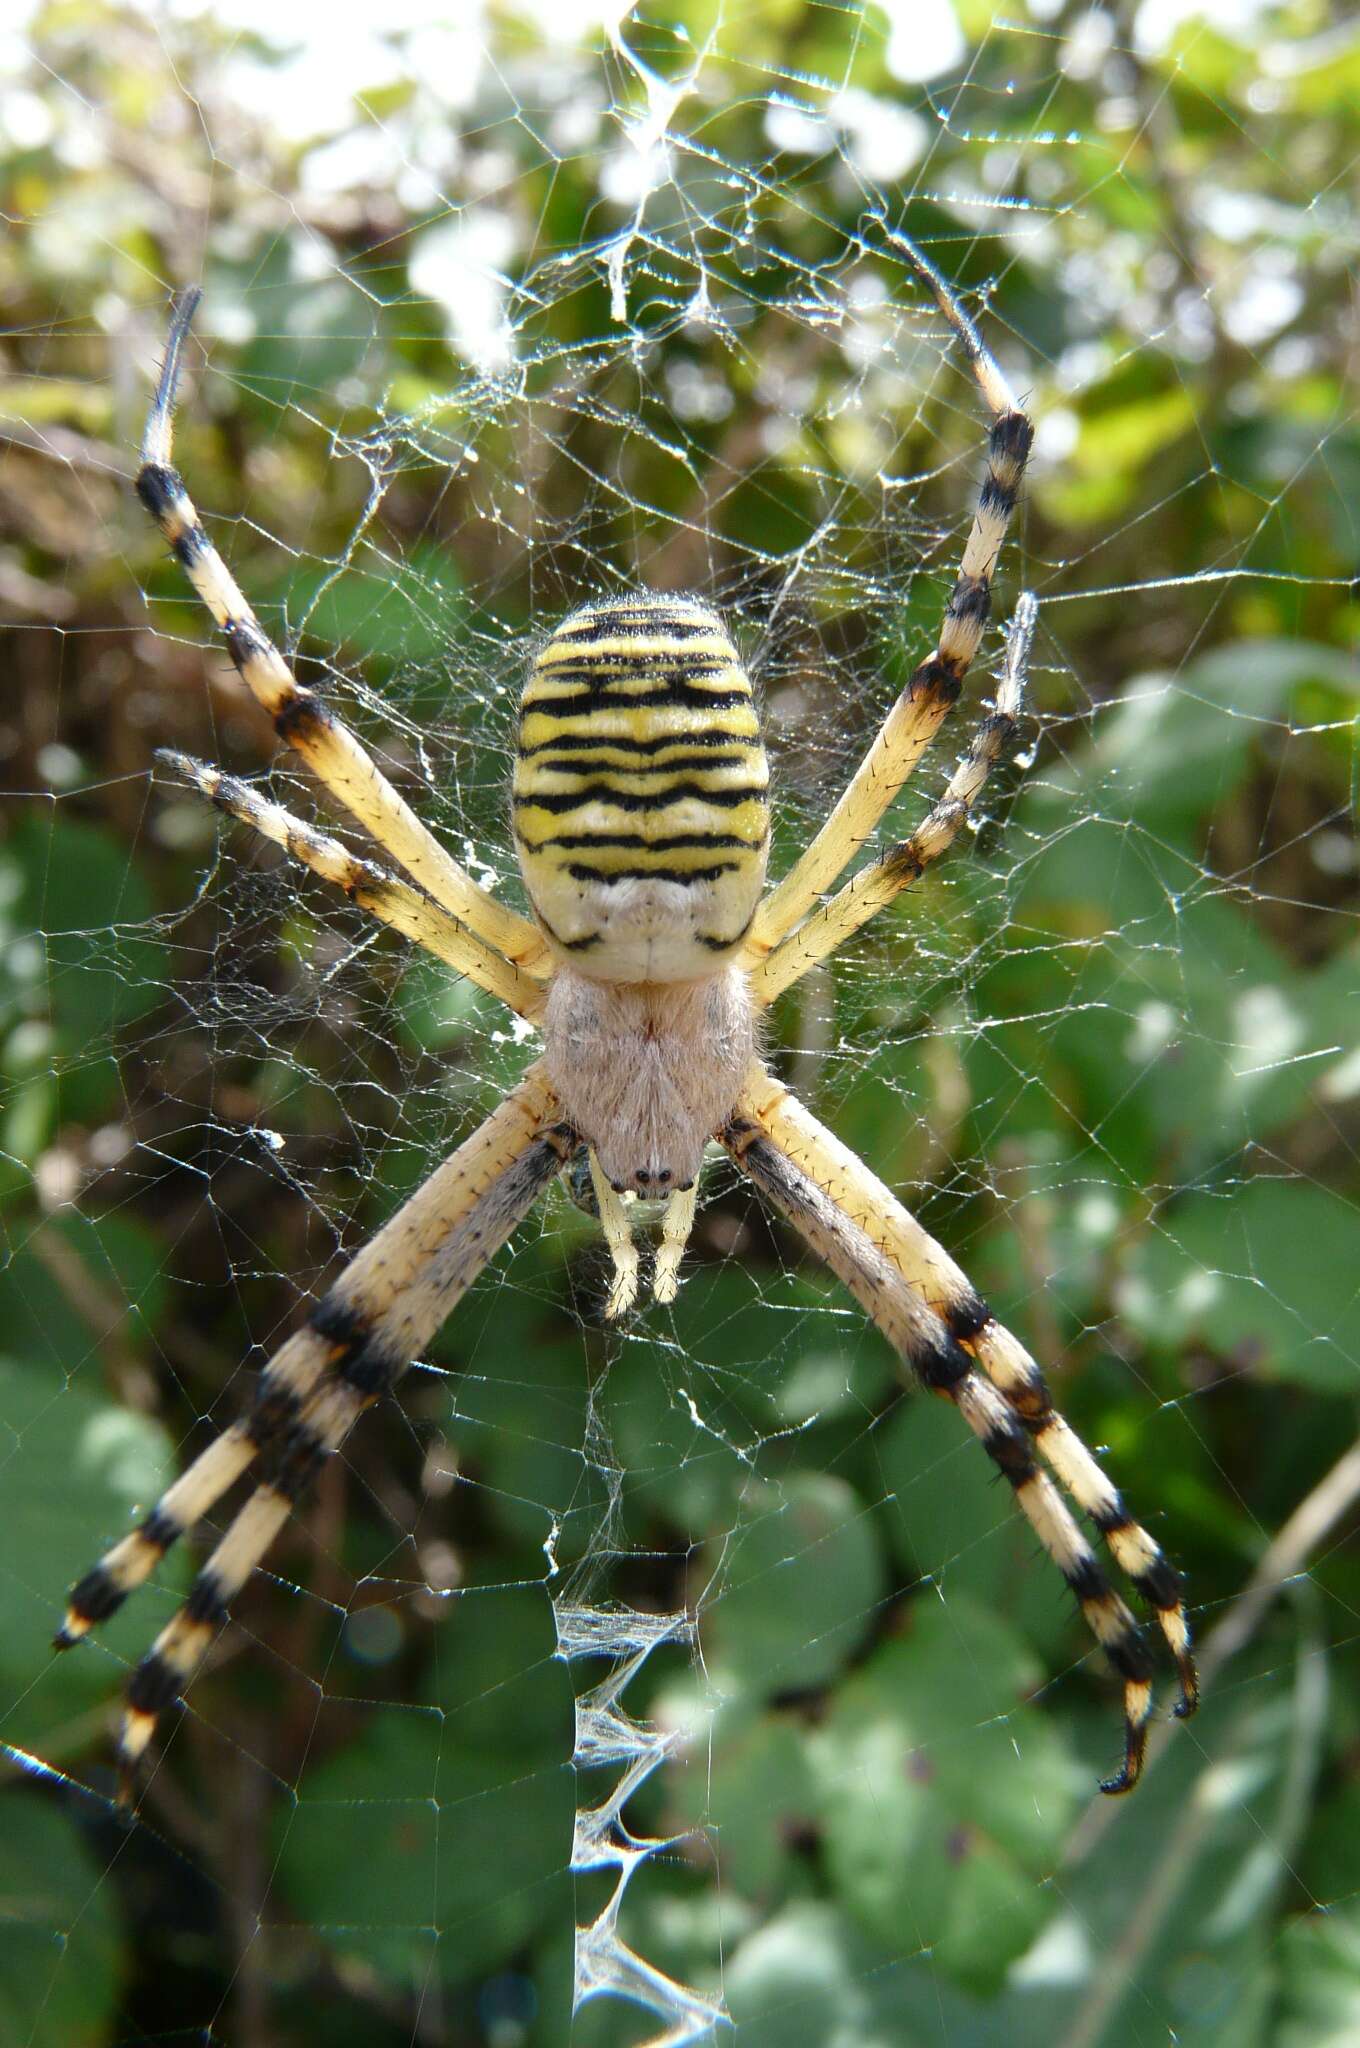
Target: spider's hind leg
[
  {"x": 939, "y": 1362},
  {"x": 1139, "y": 1556},
  {"x": 359, "y": 1338},
  {"x": 928, "y": 1268}
]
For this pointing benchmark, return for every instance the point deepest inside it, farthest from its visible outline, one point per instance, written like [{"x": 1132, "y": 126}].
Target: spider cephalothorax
[{"x": 641, "y": 823}]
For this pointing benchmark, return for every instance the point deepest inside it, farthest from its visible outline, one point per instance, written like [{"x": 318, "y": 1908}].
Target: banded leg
[
  {"x": 300, "y": 717},
  {"x": 382, "y": 1310},
  {"x": 928, "y": 1269},
  {"x": 617, "y": 1226},
  {"x": 934, "y": 687},
  {"x": 874, "y": 887},
  {"x": 941, "y": 1363},
  {"x": 407, "y": 909}
]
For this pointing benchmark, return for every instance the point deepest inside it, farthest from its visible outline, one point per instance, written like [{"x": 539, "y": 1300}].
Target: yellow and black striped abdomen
[{"x": 640, "y": 792}]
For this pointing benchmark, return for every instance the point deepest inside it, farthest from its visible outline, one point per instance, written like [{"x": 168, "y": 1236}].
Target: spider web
[{"x": 691, "y": 1677}]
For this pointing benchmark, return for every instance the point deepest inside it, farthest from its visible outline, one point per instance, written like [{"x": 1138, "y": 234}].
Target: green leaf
[
  {"x": 756, "y": 1801},
  {"x": 927, "y": 1819},
  {"x": 1163, "y": 1926},
  {"x": 1262, "y": 1273},
  {"x": 76, "y": 943},
  {"x": 1320, "y": 1973},
  {"x": 1176, "y": 747},
  {"x": 77, "y": 1470},
  {"x": 414, "y": 1848},
  {"x": 60, "y": 1963},
  {"x": 802, "y": 1579}
]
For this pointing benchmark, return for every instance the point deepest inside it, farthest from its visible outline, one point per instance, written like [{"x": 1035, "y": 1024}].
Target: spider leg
[
  {"x": 408, "y": 909},
  {"x": 357, "y": 1343},
  {"x": 301, "y": 718},
  {"x": 938, "y": 1358},
  {"x": 930, "y": 1272},
  {"x": 874, "y": 887},
  {"x": 934, "y": 688}
]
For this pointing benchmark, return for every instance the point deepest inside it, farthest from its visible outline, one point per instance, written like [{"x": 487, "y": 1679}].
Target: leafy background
[{"x": 1111, "y": 1054}]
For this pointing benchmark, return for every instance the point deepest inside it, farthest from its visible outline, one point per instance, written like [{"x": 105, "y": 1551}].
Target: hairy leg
[
  {"x": 357, "y": 1342},
  {"x": 874, "y": 887},
  {"x": 934, "y": 688},
  {"x": 930, "y": 1272},
  {"x": 407, "y": 909},
  {"x": 300, "y": 717}
]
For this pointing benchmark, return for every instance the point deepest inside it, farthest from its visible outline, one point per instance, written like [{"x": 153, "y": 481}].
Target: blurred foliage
[{"x": 1111, "y": 1053}]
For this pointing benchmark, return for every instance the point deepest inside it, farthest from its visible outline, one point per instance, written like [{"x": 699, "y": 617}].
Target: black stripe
[
  {"x": 373, "y": 1369},
  {"x": 903, "y": 864},
  {"x": 301, "y": 1455},
  {"x": 1011, "y": 438},
  {"x": 997, "y": 498},
  {"x": 367, "y": 1361},
  {"x": 95, "y": 1597},
  {"x": 1130, "y": 1655},
  {"x": 159, "y": 487},
  {"x": 1087, "y": 1580},
  {"x": 659, "y": 661},
  {"x": 971, "y": 598},
  {"x": 940, "y": 1363},
  {"x": 274, "y": 1408},
  {"x": 160, "y": 1530},
  {"x": 1008, "y": 1447},
  {"x": 936, "y": 677},
  {"x": 719, "y": 942},
  {"x": 301, "y": 716},
  {"x": 190, "y": 546},
  {"x": 640, "y": 619},
  {"x": 559, "y": 801},
  {"x": 570, "y": 945},
  {"x": 1160, "y": 1584},
  {"x": 207, "y": 1601},
  {"x": 580, "y": 872},
  {"x": 671, "y": 693},
  {"x": 337, "y": 1321},
  {"x": 153, "y": 1685},
  {"x": 994, "y": 735},
  {"x": 580, "y": 742},
  {"x": 1112, "y": 1518},
  {"x": 582, "y": 765},
  {"x": 245, "y": 642},
  {"x": 967, "y": 1316},
  {"x": 576, "y": 842}
]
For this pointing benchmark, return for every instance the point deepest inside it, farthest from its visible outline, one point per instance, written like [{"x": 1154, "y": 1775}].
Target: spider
[{"x": 641, "y": 821}]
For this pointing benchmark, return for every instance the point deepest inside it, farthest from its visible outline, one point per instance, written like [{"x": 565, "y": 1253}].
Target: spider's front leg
[
  {"x": 394, "y": 902},
  {"x": 879, "y": 884},
  {"x": 935, "y": 685},
  {"x": 300, "y": 717}
]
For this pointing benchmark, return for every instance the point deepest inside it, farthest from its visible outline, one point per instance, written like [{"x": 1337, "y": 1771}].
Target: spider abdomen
[{"x": 641, "y": 790}]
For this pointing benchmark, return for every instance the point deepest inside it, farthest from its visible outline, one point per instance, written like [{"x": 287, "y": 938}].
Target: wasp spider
[{"x": 641, "y": 820}]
